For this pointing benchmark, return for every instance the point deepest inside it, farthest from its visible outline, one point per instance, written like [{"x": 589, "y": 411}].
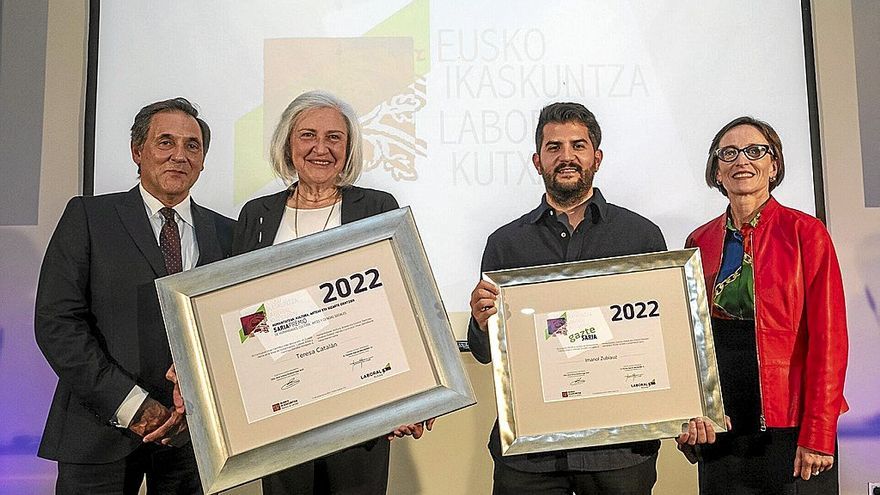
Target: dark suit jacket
[
  {"x": 98, "y": 322},
  {"x": 260, "y": 218}
]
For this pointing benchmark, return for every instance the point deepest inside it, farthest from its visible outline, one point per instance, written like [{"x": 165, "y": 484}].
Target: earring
[
  {"x": 717, "y": 183},
  {"x": 773, "y": 179}
]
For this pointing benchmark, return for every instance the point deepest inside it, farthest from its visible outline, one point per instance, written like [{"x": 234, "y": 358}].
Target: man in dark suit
[{"x": 98, "y": 321}]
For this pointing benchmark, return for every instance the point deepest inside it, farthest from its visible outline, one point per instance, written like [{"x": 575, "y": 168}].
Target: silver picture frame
[
  {"x": 222, "y": 464},
  {"x": 689, "y": 348}
]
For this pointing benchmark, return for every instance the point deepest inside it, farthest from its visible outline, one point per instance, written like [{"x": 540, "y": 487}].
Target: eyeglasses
[{"x": 752, "y": 152}]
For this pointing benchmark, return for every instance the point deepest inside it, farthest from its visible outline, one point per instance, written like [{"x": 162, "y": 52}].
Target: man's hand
[
  {"x": 699, "y": 431},
  {"x": 809, "y": 462},
  {"x": 483, "y": 303},
  {"x": 159, "y": 424},
  {"x": 416, "y": 430},
  {"x": 171, "y": 376},
  {"x": 149, "y": 417},
  {"x": 173, "y": 431}
]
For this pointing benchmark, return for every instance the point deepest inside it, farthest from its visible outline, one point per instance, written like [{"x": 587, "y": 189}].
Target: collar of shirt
[
  {"x": 183, "y": 209},
  {"x": 752, "y": 223},
  {"x": 189, "y": 245},
  {"x": 597, "y": 206}
]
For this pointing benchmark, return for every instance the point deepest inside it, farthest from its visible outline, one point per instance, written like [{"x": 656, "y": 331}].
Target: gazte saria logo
[{"x": 253, "y": 323}]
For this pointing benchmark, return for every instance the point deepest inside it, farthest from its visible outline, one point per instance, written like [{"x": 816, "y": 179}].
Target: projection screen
[{"x": 449, "y": 92}]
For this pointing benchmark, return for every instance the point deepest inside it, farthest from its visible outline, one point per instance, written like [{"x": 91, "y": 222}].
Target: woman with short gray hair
[{"x": 316, "y": 150}]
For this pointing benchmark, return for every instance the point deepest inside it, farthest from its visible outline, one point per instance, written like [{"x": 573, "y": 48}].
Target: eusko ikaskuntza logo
[
  {"x": 253, "y": 323},
  {"x": 557, "y": 326},
  {"x": 285, "y": 404}
]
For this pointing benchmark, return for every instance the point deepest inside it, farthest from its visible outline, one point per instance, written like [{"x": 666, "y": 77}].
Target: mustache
[{"x": 567, "y": 165}]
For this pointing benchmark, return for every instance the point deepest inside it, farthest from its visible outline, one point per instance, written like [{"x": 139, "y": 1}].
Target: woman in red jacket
[{"x": 779, "y": 325}]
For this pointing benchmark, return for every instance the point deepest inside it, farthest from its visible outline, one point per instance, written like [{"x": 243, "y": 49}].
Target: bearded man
[{"x": 573, "y": 222}]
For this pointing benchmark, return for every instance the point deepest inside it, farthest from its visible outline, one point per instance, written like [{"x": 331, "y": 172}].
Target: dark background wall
[
  {"x": 22, "y": 76},
  {"x": 37, "y": 177},
  {"x": 866, "y": 36}
]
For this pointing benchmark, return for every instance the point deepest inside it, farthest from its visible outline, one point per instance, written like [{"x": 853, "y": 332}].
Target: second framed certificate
[{"x": 601, "y": 352}]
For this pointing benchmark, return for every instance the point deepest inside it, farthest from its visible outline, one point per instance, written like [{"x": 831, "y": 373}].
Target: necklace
[
  {"x": 315, "y": 201},
  {"x": 296, "y": 213}
]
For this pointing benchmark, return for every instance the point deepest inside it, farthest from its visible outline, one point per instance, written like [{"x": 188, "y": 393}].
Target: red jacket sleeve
[{"x": 827, "y": 341}]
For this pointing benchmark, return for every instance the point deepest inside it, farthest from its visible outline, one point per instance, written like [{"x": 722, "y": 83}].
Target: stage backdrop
[
  {"x": 661, "y": 76},
  {"x": 448, "y": 94}
]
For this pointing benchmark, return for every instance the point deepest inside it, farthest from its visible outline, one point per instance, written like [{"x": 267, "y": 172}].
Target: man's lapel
[
  {"x": 133, "y": 216},
  {"x": 206, "y": 236}
]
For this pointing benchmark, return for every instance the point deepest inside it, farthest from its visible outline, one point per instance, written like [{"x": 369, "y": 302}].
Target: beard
[{"x": 569, "y": 193}]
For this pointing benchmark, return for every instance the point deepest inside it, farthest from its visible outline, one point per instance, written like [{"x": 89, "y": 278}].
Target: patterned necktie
[{"x": 169, "y": 242}]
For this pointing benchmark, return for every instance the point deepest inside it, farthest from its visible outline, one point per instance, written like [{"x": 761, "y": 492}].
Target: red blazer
[{"x": 800, "y": 319}]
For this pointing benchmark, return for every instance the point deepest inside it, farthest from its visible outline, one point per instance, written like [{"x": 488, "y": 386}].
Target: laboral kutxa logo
[
  {"x": 378, "y": 372},
  {"x": 645, "y": 384}
]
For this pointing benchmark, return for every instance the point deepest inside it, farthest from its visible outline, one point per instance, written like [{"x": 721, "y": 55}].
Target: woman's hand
[
  {"x": 416, "y": 430},
  {"x": 809, "y": 462}
]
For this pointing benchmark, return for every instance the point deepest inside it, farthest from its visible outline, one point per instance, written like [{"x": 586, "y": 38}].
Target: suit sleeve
[
  {"x": 827, "y": 343},
  {"x": 64, "y": 326}
]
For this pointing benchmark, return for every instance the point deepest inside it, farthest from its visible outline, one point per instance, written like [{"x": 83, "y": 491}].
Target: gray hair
[
  {"x": 279, "y": 148},
  {"x": 144, "y": 117}
]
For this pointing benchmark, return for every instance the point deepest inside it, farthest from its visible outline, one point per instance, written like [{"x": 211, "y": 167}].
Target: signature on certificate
[
  {"x": 577, "y": 381},
  {"x": 290, "y": 383},
  {"x": 359, "y": 363},
  {"x": 632, "y": 376}
]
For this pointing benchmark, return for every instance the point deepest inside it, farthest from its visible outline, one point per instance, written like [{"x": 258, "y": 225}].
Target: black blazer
[
  {"x": 98, "y": 322},
  {"x": 260, "y": 218}
]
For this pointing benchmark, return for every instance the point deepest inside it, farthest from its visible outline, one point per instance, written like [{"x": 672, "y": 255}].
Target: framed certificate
[
  {"x": 602, "y": 352},
  {"x": 295, "y": 351}
]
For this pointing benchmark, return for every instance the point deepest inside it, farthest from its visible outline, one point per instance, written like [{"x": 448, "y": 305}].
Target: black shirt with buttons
[{"x": 539, "y": 238}]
